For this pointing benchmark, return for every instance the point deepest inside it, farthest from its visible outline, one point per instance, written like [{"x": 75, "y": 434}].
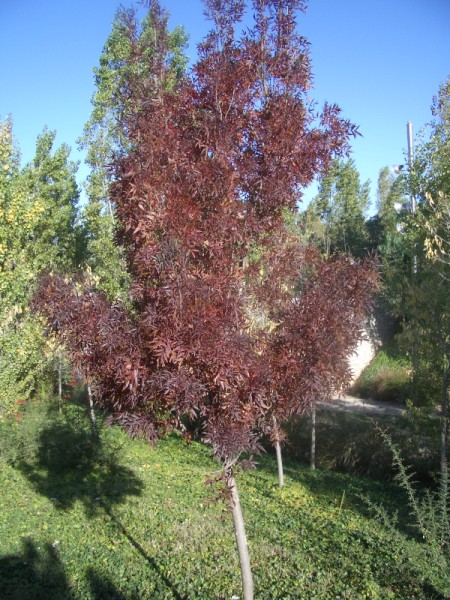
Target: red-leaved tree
[{"x": 210, "y": 170}]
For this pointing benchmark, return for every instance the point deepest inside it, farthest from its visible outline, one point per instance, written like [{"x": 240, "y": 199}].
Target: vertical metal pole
[{"x": 409, "y": 133}]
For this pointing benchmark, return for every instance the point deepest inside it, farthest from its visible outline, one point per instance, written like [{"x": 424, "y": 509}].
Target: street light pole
[
  {"x": 409, "y": 133},
  {"x": 413, "y": 206}
]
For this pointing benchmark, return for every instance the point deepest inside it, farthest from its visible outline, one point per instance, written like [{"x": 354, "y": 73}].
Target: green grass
[
  {"x": 387, "y": 378},
  {"x": 123, "y": 520}
]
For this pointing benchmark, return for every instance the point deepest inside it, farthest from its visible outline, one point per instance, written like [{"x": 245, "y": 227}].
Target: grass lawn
[{"x": 123, "y": 520}]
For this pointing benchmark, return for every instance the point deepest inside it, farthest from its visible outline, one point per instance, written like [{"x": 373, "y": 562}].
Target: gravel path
[{"x": 370, "y": 407}]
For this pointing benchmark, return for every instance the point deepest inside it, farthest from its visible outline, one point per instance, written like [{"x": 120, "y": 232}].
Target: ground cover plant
[{"x": 122, "y": 519}]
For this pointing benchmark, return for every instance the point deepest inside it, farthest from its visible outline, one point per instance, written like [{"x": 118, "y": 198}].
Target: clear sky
[{"x": 380, "y": 61}]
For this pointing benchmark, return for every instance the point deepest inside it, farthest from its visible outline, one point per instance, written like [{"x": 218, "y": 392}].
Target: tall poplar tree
[
  {"x": 103, "y": 136},
  {"x": 37, "y": 233},
  {"x": 340, "y": 207},
  {"x": 427, "y": 231},
  {"x": 382, "y": 227}
]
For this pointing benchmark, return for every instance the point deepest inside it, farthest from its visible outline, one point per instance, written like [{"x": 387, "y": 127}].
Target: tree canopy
[
  {"x": 210, "y": 167},
  {"x": 37, "y": 233},
  {"x": 103, "y": 134},
  {"x": 335, "y": 219}
]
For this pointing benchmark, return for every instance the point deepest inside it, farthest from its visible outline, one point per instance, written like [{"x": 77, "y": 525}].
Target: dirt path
[{"x": 370, "y": 407}]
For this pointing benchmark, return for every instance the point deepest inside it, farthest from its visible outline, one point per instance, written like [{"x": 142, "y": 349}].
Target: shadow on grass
[
  {"x": 36, "y": 574},
  {"x": 167, "y": 584},
  {"x": 71, "y": 465},
  {"x": 103, "y": 589}
]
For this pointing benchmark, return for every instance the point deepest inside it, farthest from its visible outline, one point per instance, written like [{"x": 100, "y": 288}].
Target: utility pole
[
  {"x": 409, "y": 133},
  {"x": 412, "y": 198}
]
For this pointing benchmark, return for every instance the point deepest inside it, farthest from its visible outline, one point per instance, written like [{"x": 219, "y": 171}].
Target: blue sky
[{"x": 381, "y": 62}]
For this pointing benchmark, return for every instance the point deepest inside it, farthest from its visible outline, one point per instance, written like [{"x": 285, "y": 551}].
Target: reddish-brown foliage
[
  {"x": 210, "y": 168},
  {"x": 307, "y": 354}
]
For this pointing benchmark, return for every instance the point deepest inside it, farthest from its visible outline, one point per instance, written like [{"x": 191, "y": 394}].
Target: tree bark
[
  {"x": 59, "y": 382},
  {"x": 92, "y": 417},
  {"x": 313, "y": 438},
  {"x": 111, "y": 213},
  {"x": 444, "y": 430},
  {"x": 241, "y": 541},
  {"x": 278, "y": 452}
]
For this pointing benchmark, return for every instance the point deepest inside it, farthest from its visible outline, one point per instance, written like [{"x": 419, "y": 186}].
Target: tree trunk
[
  {"x": 59, "y": 381},
  {"x": 313, "y": 438},
  {"x": 111, "y": 213},
  {"x": 279, "y": 463},
  {"x": 278, "y": 451},
  {"x": 92, "y": 417},
  {"x": 241, "y": 540},
  {"x": 444, "y": 430}
]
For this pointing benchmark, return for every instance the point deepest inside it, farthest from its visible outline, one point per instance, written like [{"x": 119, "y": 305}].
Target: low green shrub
[
  {"x": 19, "y": 431},
  {"x": 429, "y": 518},
  {"x": 387, "y": 378},
  {"x": 38, "y": 429}
]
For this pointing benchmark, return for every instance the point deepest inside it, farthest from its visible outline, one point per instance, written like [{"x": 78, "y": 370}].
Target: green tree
[
  {"x": 103, "y": 136},
  {"x": 436, "y": 224},
  {"x": 336, "y": 216},
  {"x": 386, "y": 182},
  {"x": 386, "y": 240},
  {"x": 37, "y": 233},
  {"x": 431, "y": 173},
  {"x": 390, "y": 193},
  {"x": 430, "y": 181},
  {"x": 50, "y": 178},
  {"x": 422, "y": 285}
]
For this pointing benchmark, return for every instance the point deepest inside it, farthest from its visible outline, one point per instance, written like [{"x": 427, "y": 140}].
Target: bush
[
  {"x": 19, "y": 431},
  {"x": 23, "y": 359},
  {"x": 37, "y": 427},
  {"x": 387, "y": 378},
  {"x": 429, "y": 519}
]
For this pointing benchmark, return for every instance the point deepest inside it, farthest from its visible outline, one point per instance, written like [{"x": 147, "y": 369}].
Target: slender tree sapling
[{"x": 211, "y": 165}]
